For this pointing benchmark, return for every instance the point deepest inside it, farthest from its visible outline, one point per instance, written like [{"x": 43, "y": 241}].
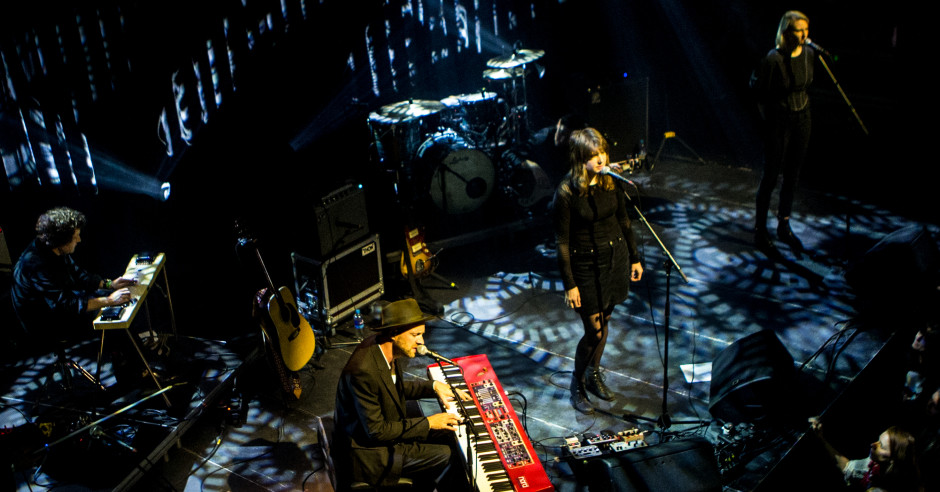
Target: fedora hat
[{"x": 402, "y": 313}]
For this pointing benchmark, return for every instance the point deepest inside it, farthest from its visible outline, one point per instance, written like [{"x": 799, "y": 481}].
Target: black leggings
[{"x": 591, "y": 346}]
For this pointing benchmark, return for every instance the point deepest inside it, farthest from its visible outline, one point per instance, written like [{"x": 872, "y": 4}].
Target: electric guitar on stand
[
  {"x": 417, "y": 262},
  {"x": 417, "y": 258}
]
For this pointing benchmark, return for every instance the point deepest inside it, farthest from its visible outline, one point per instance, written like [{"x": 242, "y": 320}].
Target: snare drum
[{"x": 460, "y": 178}]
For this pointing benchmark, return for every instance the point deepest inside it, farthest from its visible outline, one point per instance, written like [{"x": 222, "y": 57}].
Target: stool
[
  {"x": 64, "y": 365},
  {"x": 404, "y": 483}
]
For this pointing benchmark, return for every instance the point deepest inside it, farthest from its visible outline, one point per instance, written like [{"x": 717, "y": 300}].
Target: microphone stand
[
  {"x": 822, "y": 60},
  {"x": 842, "y": 93},
  {"x": 664, "y": 421}
]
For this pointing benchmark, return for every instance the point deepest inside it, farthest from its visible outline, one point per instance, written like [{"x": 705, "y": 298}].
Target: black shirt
[{"x": 50, "y": 293}]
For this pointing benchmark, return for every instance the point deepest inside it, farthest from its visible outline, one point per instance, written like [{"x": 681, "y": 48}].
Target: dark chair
[{"x": 338, "y": 463}]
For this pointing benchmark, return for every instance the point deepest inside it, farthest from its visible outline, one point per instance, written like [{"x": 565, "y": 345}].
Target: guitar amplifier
[
  {"x": 329, "y": 291},
  {"x": 341, "y": 220}
]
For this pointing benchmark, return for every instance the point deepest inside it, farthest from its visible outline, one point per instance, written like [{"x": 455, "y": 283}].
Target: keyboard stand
[{"x": 146, "y": 275}]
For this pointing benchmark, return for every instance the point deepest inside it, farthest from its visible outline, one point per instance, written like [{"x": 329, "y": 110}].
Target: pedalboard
[{"x": 606, "y": 443}]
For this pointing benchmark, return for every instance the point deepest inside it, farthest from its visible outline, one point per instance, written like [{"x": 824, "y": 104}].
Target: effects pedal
[{"x": 605, "y": 443}]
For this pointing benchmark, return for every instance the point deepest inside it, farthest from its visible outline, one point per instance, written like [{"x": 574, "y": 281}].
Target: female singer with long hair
[
  {"x": 597, "y": 256},
  {"x": 782, "y": 81}
]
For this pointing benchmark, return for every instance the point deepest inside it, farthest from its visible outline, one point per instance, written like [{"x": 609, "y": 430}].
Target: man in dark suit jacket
[{"x": 374, "y": 441}]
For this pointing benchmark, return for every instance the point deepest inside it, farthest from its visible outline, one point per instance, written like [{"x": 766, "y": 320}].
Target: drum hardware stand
[
  {"x": 669, "y": 136},
  {"x": 518, "y": 59}
]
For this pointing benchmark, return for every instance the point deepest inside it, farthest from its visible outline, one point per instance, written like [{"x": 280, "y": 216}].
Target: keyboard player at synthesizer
[
  {"x": 55, "y": 298},
  {"x": 374, "y": 441}
]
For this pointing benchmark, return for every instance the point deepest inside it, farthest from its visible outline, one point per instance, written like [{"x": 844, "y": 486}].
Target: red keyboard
[{"x": 495, "y": 447}]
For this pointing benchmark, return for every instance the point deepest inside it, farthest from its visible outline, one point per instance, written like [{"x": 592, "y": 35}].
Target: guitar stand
[
  {"x": 448, "y": 284},
  {"x": 425, "y": 301}
]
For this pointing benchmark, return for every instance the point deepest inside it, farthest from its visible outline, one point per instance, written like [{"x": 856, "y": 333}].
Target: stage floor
[{"x": 508, "y": 304}]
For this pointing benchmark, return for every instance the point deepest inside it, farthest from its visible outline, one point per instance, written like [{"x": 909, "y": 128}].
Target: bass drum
[{"x": 461, "y": 178}]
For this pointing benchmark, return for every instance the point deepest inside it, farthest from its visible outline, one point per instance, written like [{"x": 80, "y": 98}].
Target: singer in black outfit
[
  {"x": 782, "y": 81},
  {"x": 374, "y": 440},
  {"x": 597, "y": 255}
]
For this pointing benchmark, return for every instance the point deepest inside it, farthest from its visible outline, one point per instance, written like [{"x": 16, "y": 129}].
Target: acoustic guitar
[
  {"x": 290, "y": 380},
  {"x": 295, "y": 337}
]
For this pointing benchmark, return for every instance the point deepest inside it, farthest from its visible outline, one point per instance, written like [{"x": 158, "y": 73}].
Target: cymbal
[
  {"x": 503, "y": 73},
  {"x": 407, "y": 110},
  {"x": 518, "y": 57},
  {"x": 458, "y": 99}
]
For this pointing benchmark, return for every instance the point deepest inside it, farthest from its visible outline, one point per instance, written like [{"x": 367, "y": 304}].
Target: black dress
[{"x": 596, "y": 245}]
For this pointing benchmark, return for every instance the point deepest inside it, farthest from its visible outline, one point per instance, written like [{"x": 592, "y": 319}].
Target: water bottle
[
  {"x": 358, "y": 324},
  {"x": 311, "y": 308}
]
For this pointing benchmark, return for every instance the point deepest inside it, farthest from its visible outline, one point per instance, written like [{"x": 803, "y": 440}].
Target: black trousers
[{"x": 786, "y": 143}]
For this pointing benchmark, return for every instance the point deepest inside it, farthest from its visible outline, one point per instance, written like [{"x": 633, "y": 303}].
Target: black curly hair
[{"x": 57, "y": 226}]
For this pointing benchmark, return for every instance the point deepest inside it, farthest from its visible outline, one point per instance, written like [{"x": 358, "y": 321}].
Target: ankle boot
[
  {"x": 594, "y": 382},
  {"x": 786, "y": 235},
  {"x": 578, "y": 397},
  {"x": 762, "y": 239}
]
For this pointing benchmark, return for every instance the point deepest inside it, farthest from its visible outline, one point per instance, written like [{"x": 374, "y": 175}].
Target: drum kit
[{"x": 445, "y": 149}]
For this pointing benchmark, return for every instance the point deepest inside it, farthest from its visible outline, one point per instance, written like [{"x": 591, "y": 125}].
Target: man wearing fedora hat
[{"x": 374, "y": 441}]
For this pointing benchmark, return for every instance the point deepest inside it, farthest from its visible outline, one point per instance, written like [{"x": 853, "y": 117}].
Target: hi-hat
[
  {"x": 406, "y": 110},
  {"x": 503, "y": 73},
  {"x": 518, "y": 57}
]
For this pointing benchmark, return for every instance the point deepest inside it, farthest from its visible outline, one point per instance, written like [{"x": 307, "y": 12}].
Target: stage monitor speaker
[
  {"x": 341, "y": 220},
  {"x": 688, "y": 465},
  {"x": 899, "y": 273},
  {"x": 621, "y": 112},
  {"x": 751, "y": 379}
]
